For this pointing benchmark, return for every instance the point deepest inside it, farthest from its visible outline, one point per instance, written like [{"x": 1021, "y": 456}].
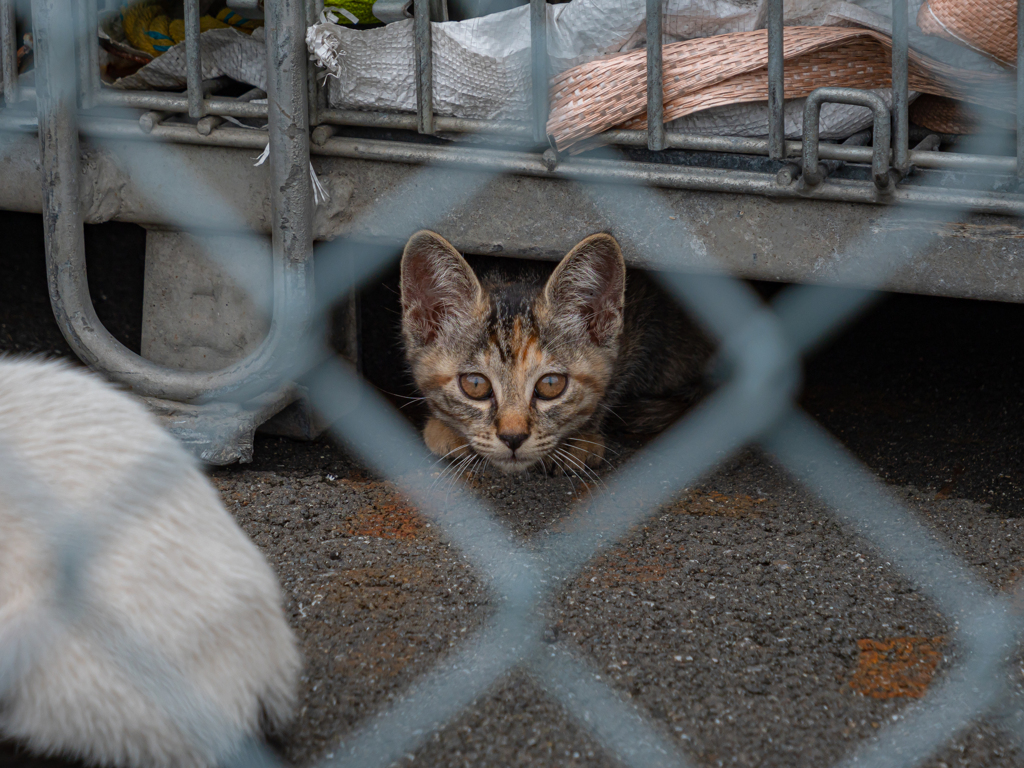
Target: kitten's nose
[{"x": 513, "y": 439}]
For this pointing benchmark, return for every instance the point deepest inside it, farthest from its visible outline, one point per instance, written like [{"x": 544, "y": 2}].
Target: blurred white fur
[{"x": 171, "y": 646}]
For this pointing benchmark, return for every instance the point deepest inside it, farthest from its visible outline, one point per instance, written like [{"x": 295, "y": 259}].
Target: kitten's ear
[
  {"x": 438, "y": 286},
  {"x": 586, "y": 293}
]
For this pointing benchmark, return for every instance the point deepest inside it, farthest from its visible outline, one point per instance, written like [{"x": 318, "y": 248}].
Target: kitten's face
[{"x": 514, "y": 370}]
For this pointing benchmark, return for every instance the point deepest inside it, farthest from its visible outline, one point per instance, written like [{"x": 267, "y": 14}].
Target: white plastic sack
[
  {"x": 481, "y": 66},
  {"x": 225, "y": 52}
]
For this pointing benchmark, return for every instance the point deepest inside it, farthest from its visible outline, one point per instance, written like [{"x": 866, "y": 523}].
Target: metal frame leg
[{"x": 290, "y": 196}]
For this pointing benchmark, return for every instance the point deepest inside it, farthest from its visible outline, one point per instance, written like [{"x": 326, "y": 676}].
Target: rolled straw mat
[
  {"x": 732, "y": 68},
  {"x": 942, "y": 115},
  {"x": 987, "y": 26}
]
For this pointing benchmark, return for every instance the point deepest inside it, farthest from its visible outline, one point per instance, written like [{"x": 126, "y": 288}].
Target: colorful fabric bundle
[{"x": 149, "y": 28}]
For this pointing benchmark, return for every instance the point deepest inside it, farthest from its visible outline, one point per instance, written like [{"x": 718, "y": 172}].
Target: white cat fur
[{"x": 181, "y": 649}]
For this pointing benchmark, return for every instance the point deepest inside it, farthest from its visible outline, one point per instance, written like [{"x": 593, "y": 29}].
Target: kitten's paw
[
  {"x": 442, "y": 440},
  {"x": 587, "y": 447}
]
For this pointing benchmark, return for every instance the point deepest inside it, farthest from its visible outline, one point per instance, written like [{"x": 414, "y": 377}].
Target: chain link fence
[{"x": 760, "y": 347}]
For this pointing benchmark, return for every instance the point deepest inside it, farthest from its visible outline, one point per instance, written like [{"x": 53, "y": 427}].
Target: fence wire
[{"x": 760, "y": 346}]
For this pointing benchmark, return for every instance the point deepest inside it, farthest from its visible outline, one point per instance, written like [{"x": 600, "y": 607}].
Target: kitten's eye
[
  {"x": 550, "y": 386},
  {"x": 475, "y": 386}
]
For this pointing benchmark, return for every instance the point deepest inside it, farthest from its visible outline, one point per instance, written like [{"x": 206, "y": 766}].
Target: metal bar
[
  {"x": 861, "y": 139},
  {"x": 880, "y": 151},
  {"x": 673, "y": 140},
  {"x": 1020, "y": 90},
  {"x": 150, "y": 120},
  {"x": 776, "y": 83},
  {"x": 424, "y": 67},
  {"x": 9, "y": 50},
  {"x": 943, "y": 161},
  {"x": 291, "y": 189},
  {"x": 655, "y": 81},
  {"x": 206, "y": 124},
  {"x": 313, "y": 97},
  {"x": 531, "y": 164},
  {"x": 173, "y": 102},
  {"x": 660, "y": 175},
  {"x": 85, "y": 93},
  {"x": 539, "y": 68},
  {"x": 400, "y": 121},
  {"x": 65, "y": 244},
  {"x": 54, "y": 35},
  {"x": 92, "y": 41},
  {"x": 947, "y": 161},
  {"x": 900, "y": 88},
  {"x": 193, "y": 60}
]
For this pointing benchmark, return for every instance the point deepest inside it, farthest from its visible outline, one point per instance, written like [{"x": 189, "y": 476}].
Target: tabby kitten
[{"x": 526, "y": 366}]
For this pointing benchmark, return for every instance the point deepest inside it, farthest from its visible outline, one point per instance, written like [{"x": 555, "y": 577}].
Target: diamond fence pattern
[{"x": 760, "y": 348}]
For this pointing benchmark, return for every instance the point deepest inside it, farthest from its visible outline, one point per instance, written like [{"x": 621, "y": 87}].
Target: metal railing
[
  {"x": 900, "y": 155},
  {"x": 762, "y": 344}
]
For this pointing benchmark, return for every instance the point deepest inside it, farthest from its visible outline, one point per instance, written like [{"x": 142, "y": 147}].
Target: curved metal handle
[
  {"x": 880, "y": 150},
  {"x": 290, "y": 196}
]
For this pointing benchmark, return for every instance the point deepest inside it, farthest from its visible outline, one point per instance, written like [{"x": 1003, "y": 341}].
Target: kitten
[
  {"x": 522, "y": 368},
  {"x": 169, "y": 645}
]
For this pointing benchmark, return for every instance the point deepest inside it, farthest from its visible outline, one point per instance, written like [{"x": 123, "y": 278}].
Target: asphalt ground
[{"x": 745, "y": 623}]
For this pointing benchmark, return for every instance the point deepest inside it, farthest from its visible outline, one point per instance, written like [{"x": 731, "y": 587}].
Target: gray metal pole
[
  {"x": 1020, "y": 89},
  {"x": 655, "y": 79},
  {"x": 539, "y": 67},
  {"x": 424, "y": 66},
  {"x": 313, "y": 85},
  {"x": 900, "y": 88},
  {"x": 776, "y": 83},
  {"x": 54, "y": 38},
  {"x": 193, "y": 60},
  {"x": 291, "y": 190},
  {"x": 86, "y": 96},
  {"x": 9, "y": 51},
  {"x": 92, "y": 42}
]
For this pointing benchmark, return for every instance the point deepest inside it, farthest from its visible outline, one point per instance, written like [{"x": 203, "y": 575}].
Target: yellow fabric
[{"x": 148, "y": 27}]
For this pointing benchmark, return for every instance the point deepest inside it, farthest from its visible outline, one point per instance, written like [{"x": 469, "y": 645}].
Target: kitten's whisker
[
  {"x": 591, "y": 442},
  {"x": 451, "y": 466},
  {"x": 570, "y": 463},
  {"x": 444, "y": 472},
  {"x": 611, "y": 411},
  {"x": 582, "y": 466},
  {"x": 404, "y": 397},
  {"x": 561, "y": 466},
  {"x": 473, "y": 466},
  {"x": 591, "y": 453},
  {"x": 453, "y": 450},
  {"x": 454, "y": 484},
  {"x": 454, "y": 478}
]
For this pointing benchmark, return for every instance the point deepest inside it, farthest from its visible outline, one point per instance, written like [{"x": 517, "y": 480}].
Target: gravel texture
[{"x": 741, "y": 619}]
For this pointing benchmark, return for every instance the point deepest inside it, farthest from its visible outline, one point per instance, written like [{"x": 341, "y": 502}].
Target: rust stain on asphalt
[
  {"x": 897, "y": 666},
  {"x": 720, "y": 504}
]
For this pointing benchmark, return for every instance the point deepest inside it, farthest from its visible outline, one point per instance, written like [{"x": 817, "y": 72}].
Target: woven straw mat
[
  {"x": 729, "y": 69},
  {"x": 942, "y": 115},
  {"x": 987, "y": 26}
]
